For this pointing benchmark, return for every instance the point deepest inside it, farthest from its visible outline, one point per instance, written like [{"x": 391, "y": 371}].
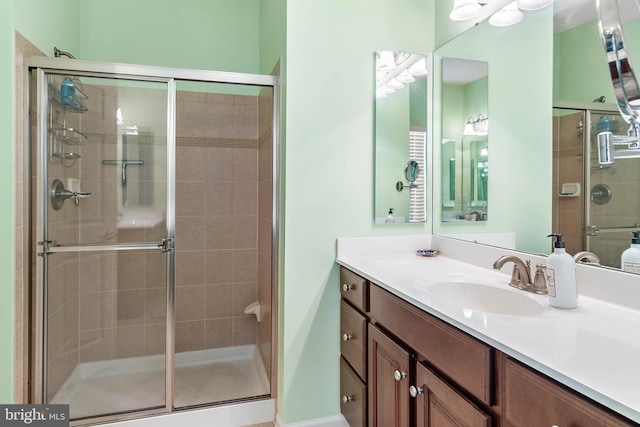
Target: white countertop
[{"x": 594, "y": 349}]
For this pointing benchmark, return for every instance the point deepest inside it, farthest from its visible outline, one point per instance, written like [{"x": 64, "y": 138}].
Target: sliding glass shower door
[
  {"x": 155, "y": 214},
  {"x": 105, "y": 238}
]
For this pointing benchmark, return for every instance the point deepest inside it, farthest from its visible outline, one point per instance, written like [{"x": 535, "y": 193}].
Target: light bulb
[
  {"x": 405, "y": 77},
  {"x": 464, "y": 10},
  {"x": 533, "y": 4},
  {"x": 508, "y": 15},
  {"x": 419, "y": 68}
]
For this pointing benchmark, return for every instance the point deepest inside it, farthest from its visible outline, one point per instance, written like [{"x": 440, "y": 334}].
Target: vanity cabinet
[{"x": 417, "y": 370}]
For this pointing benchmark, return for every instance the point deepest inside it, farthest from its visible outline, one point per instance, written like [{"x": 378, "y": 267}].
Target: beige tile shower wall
[
  {"x": 568, "y": 164},
  {"x": 216, "y": 220},
  {"x": 22, "y": 268},
  {"x": 122, "y": 302},
  {"x": 62, "y": 304}
]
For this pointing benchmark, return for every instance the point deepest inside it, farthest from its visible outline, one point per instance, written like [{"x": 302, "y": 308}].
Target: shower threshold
[{"x": 201, "y": 377}]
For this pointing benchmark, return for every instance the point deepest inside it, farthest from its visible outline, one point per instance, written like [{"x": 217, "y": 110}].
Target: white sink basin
[{"x": 485, "y": 298}]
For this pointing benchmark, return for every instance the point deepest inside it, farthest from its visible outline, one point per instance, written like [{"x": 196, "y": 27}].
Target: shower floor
[{"x": 201, "y": 377}]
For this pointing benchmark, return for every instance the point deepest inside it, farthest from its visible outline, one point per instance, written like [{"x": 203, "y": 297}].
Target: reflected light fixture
[
  {"x": 508, "y": 15},
  {"x": 468, "y": 127},
  {"x": 394, "y": 70},
  {"x": 405, "y": 77},
  {"x": 419, "y": 68},
  {"x": 477, "y": 127},
  {"x": 394, "y": 84},
  {"x": 385, "y": 61},
  {"x": 533, "y": 4},
  {"x": 464, "y": 10}
]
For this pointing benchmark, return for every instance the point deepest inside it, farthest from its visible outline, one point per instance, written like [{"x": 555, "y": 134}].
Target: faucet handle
[
  {"x": 516, "y": 278},
  {"x": 539, "y": 285}
]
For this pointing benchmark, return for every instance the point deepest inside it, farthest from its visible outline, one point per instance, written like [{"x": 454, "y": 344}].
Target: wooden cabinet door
[
  {"x": 440, "y": 405},
  {"x": 532, "y": 400},
  {"x": 388, "y": 381}
]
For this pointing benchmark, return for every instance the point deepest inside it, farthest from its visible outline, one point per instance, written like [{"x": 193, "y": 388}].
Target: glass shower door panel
[
  {"x": 223, "y": 212},
  {"x": 106, "y": 331},
  {"x": 108, "y": 145},
  {"x": 612, "y": 210},
  {"x": 105, "y": 159}
]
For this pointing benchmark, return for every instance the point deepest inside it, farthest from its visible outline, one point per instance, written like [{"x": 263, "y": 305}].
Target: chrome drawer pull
[
  {"x": 347, "y": 288},
  {"x": 346, "y": 399},
  {"x": 346, "y": 337},
  {"x": 415, "y": 391},
  {"x": 399, "y": 375}
]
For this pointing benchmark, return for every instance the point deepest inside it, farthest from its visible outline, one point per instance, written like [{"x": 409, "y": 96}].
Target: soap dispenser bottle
[
  {"x": 561, "y": 276},
  {"x": 67, "y": 92},
  {"x": 630, "y": 260},
  {"x": 390, "y": 218}
]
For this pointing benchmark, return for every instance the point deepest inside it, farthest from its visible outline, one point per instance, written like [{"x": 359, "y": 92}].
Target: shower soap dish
[{"x": 428, "y": 252}]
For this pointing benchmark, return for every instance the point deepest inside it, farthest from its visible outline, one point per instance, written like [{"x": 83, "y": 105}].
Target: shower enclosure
[
  {"x": 595, "y": 206},
  {"x": 154, "y": 195}
]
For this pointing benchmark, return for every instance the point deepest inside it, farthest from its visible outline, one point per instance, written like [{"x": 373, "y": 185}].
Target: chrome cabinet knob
[
  {"x": 415, "y": 391},
  {"x": 346, "y": 337},
  {"x": 347, "y": 288},
  {"x": 398, "y": 375},
  {"x": 346, "y": 399}
]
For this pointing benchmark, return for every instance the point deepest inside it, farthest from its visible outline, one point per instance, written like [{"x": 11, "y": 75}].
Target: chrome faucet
[
  {"x": 521, "y": 274},
  {"x": 587, "y": 257}
]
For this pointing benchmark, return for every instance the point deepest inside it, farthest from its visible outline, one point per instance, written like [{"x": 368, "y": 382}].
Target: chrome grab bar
[
  {"x": 594, "y": 230},
  {"x": 56, "y": 248}
]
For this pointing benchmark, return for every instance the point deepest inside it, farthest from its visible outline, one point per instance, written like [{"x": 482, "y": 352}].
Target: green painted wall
[
  {"x": 211, "y": 35},
  {"x": 329, "y": 174},
  {"x": 520, "y": 143},
  {"x": 49, "y": 23},
  {"x": 7, "y": 194},
  {"x": 475, "y": 98},
  {"x": 392, "y": 119},
  {"x": 419, "y": 94},
  {"x": 580, "y": 68},
  {"x": 273, "y": 24}
]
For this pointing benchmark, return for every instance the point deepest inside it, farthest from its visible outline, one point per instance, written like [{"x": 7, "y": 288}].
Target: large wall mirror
[
  {"x": 400, "y": 137},
  {"x": 465, "y": 142},
  {"x": 545, "y": 175}
]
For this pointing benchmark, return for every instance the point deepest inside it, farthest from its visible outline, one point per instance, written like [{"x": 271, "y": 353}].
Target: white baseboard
[{"x": 336, "y": 421}]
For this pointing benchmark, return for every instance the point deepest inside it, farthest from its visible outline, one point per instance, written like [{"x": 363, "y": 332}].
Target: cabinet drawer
[
  {"x": 531, "y": 399},
  {"x": 353, "y": 338},
  {"x": 462, "y": 358},
  {"x": 354, "y": 289},
  {"x": 353, "y": 396}
]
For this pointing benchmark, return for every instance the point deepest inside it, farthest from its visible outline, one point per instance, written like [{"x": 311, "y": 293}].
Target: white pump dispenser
[
  {"x": 390, "y": 217},
  {"x": 630, "y": 259},
  {"x": 561, "y": 276}
]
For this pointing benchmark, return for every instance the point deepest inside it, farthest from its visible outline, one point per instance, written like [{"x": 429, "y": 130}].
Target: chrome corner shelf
[{"x": 68, "y": 136}]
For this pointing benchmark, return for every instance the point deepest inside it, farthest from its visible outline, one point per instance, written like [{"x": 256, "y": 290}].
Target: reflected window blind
[{"x": 417, "y": 201}]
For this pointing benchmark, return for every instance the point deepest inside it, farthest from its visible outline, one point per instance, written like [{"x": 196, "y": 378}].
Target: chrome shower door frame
[{"x": 40, "y": 67}]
